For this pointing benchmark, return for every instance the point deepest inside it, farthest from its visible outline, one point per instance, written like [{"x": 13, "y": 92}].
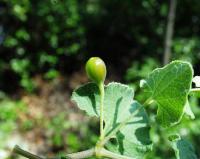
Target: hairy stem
[
  {"x": 78, "y": 155},
  {"x": 101, "y": 88},
  {"x": 82, "y": 154}
]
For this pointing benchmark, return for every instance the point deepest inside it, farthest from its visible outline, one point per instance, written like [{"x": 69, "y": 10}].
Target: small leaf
[
  {"x": 183, "y": 149},
  {"x": 169, "y": 87},
  {"x": 196, "y": 80}
]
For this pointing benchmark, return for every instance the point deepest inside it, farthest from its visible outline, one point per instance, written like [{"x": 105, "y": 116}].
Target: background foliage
[{"x": 54, "y": 38}]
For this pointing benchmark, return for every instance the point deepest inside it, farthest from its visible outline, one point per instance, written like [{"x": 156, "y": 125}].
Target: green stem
[
  {"x": 101, "y": 88},
  {"x": 82, "y": 154},
  {"x": 148, "y": 102},
  {"x": 193, "y": 90}
]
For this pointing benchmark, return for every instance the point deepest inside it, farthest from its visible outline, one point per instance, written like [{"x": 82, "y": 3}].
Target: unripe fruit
[{"x": 96, "y": 69}]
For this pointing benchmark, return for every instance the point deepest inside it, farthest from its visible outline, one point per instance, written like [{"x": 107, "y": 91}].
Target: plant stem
[
  {"x": 169, "y": 31},
  {"x": 82, "y": 154},
  {"x": 195, "y": 90},
  {"x": 24, "y": 153},
  {"x": 148, "y": 102},
  {"x": 101, "y": 88},
  {"x": 78, "y": 155}
]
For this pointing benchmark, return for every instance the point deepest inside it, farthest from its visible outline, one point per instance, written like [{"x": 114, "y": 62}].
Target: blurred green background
[{"x": 44, "y": 46}]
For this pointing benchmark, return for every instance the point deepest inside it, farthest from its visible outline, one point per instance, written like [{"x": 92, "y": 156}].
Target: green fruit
[{"x": 96, "y": 69}]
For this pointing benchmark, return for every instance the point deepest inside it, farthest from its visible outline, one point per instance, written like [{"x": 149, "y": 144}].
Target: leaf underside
[
  {"x": 133, "y": 138},
  {"x": 169, "y": 88},
  {"x": 183, "y": 149}
]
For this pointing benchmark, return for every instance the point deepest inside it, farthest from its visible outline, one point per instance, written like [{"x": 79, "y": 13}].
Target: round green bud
[{"x": 96, "y": 69}]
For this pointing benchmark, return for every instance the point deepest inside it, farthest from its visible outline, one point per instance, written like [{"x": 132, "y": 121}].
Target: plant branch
[
  {"x": 195, "y": 90},
  {"x": 169, "y": 31},
  {"x": 78, "y": 155},
  {"x": 24, "y": 153},
  {"x": 82, "y": 154}
]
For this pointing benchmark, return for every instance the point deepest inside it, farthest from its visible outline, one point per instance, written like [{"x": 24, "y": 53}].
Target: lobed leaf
[{"x": 169, "y": 88}]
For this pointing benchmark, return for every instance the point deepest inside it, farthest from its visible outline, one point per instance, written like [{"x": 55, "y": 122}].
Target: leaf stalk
[{"x": 101, "y": 89}]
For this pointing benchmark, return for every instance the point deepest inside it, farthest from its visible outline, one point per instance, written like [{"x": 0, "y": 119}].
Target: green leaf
[
  {"x": 169, "y": 87},
  {"x": 133, "y": 138},
  {"x": 119, "y": 107},
  {"x": 118, "y": 99},
  {"x": 183, "y": 149}
]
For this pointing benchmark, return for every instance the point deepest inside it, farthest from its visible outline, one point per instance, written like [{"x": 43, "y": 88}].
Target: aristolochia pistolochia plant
[{"x": 124, "y": 120}]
